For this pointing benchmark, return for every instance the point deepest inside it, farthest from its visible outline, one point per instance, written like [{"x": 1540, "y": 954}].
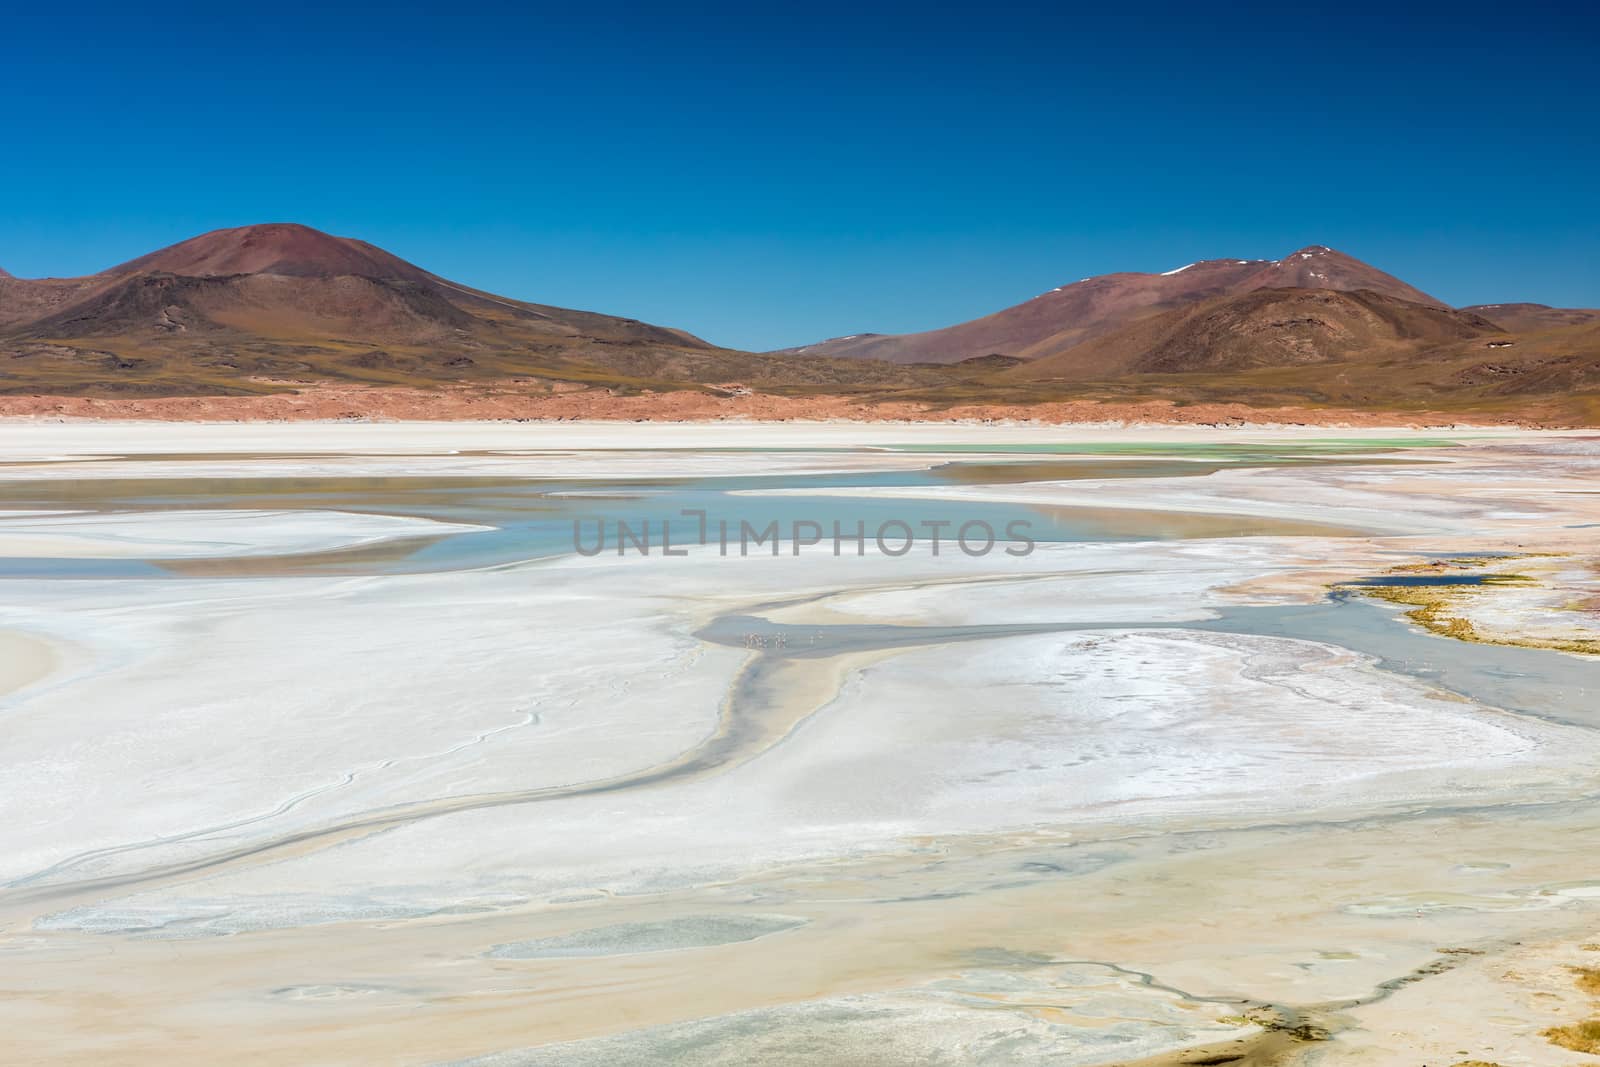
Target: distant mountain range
[
  {"x": 1315, "y": 327},
  {"x": 261, "y": 308},
  {"x": 1054, "y": 322},
  {"x": 249, "y": 309},
  {"x": 1260, "y": 328}
]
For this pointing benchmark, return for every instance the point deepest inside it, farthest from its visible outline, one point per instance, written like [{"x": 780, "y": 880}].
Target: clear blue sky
[{"x": 766, "y": 180}]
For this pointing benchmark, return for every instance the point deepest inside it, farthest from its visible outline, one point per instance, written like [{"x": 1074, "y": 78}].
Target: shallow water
[
  {"x": 1557, "y": 686},
  {"x": 1327, "y": 446},
  {"x": 874, "y": 957},
  {"x": 1427, "y": 580},
  {"x": 628, "y": 939},
  {"x": 535, "y": 518},
  {"x": 1546, "y": 684}
]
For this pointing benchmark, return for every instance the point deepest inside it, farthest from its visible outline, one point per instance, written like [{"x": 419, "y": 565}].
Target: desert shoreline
[
  {"x": 876, "y": 537},
  {"x": 485, "y": 876},
  {"x": 33, "y": 438},
  {"x": 307, "y": 402}
]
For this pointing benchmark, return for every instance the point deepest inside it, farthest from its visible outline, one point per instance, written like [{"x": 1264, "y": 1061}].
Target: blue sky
[{"x": 772, "y": 179}]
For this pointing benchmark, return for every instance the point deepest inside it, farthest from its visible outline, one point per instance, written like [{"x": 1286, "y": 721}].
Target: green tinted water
[{"x": 532, "y": 518}]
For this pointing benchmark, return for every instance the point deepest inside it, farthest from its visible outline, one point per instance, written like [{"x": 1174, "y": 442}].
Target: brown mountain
[
  {"x": 273, "y": 248},
  {"x": 1360, "y": 350},
  {"x": 248, "y": 309},
  {"x": 269, "y": 308},
  {"x": 1263, "y": 328},
  {"x": 1528, "y": 318},
  {"x": 1072, "y": 314},
  {"x": 286, "y": 283},
  {"x": 1320, "y": 267}
]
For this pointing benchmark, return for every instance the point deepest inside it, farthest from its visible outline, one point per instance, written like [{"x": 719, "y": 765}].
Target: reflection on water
[
  {"x": 1531, "y": 681},
  {"x": 1056, "y": 470},
  {"x": 1247, "y": 451},
  {"x": 533, "y": 518},
  {"x": 1426, "y": 580}
]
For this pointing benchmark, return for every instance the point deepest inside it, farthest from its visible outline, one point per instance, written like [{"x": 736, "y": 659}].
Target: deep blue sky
[{"x": 766, "y": 180}]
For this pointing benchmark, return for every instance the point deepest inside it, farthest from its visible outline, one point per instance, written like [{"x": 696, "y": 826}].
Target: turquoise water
[
  {"x": 1325, "y": 446},
  {"x": 534, "y": 518}
]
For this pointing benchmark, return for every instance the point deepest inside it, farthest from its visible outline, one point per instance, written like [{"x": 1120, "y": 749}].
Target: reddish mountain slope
[
  {"x": 1320, "y": 267},
  {"x": 1353, "y": 350},
  {"x": 1073, "y": 314},
  {"x": 281, "y": 300},
  {"x": 261, "y": 309},
  {"x": 292, "y": 284},
  {"x": 1088, "y": 307},
  {"x": 28, "y": 299},
  {"x": 272, "y": 248},
  {"x": 254, "y": 308},
  {"x": 1263, "y": 328},
  {"x": 1528, "y": 318}
]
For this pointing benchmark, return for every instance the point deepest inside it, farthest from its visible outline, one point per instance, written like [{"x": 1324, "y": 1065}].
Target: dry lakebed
[{"x": 565, "y": 744}]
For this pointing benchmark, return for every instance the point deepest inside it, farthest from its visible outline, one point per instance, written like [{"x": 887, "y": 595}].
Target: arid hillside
[
  {"x": 1072, "y": 314},
  {"x": 282, "y": 309},
  {"x": 257, "y": 308}
]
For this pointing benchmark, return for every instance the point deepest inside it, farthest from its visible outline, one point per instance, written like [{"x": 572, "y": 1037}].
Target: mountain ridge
[
  {"x": 277, "y": 308},
  {"x": 274, "y": 306},
  {"x": 284, "y": 248},
  {"x": 1527, "y": 317},
  {"x": 1080, "y": 311},
  {"x": 1278, "y": 327}
]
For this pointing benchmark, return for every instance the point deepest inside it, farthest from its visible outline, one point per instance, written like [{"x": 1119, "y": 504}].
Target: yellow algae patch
[
  {"x": 1588, "y": 979},
  {"x": 1579, "y": 1037},
  {"x": 1446, "y": 607},
  {"x": 1584, "y": 1036}
]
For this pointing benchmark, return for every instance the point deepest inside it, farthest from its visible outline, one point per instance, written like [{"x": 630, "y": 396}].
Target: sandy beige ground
[
  {"x": 302, "y": 401},
  {"x": 1085, "y": 847}
]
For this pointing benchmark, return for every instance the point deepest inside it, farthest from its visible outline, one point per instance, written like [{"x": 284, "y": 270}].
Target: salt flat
[
  {"x": 43, "y": 438},
  {"x": 711, "y": 808},
  {"x": 177, "y": 534}
]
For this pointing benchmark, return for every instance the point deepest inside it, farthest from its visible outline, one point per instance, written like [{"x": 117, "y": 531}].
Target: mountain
[
  {"x": 253, "y": 308},
  {"x": 1089, "y": 306},
  {"x": 280, "y": 248},
  {"x": 286, "y": 282},
  {"x": 1528, "y": 318},
  {"x": 1263, "y": 328},
  {"x": 1320, "y": 267},
  {"x": 281, "y": 307},
  {"x": 1072, "y": 314},
  {"x": 1348, "y": 351}
]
